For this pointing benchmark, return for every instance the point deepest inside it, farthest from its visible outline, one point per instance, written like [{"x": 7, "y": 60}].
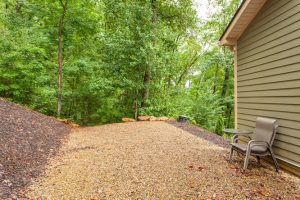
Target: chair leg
[
  {"x": 247, "y": 158},
  {"x": 258, "y": 160},
  {"x": 231, "y": 154},
  {"x": 274, "y": 159}
]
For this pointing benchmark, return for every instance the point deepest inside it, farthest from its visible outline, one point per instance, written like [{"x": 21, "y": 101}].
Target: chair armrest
[{"x": 235, "y": 137}]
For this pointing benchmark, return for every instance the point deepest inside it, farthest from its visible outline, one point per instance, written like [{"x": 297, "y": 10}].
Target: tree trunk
[
  {"x": 136, "y": 109},
  {"x": 169, "y": 85},
  {"x": 60, "y": 55},
  {"x": 147, "y": 75},
  {"x": 146, "y": 87},
  {"x": 224, "y": 91},
  {"x": 225, "y": 81},
  {"x": 223, "y": 95},
  {"x": 229, "y": 111},
  {"x": 215, "y": 81}
]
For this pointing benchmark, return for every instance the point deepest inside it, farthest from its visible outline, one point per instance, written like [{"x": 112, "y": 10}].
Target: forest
[{"x": 96, "y": 61}]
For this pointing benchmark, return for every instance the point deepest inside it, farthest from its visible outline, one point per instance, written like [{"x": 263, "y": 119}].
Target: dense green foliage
[{"x": 121, "y": 58}]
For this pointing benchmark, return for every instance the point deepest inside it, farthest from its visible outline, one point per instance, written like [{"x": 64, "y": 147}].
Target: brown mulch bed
[
  {"x": 154, "y": 160},
  {"x": 27, "y": 140},
  {"x": 202, "y": 133}
]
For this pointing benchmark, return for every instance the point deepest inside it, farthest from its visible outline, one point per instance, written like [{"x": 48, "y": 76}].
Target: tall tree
[
  {"x": 64, "y": 6},
  {"x": 152, "y": 62}
]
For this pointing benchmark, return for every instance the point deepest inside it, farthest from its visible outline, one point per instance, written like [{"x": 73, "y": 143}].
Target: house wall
[{"x": 268, "y": 76}]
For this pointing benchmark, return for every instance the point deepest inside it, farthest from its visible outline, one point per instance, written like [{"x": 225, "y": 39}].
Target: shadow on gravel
[
  {"x": 27, "y": 140},
  {"x": 204, "y": 134}
]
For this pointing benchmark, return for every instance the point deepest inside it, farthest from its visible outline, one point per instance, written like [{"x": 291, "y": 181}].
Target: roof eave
[
  {"x": 240, "y": 21},
  {"x": 228, "y": 42}
]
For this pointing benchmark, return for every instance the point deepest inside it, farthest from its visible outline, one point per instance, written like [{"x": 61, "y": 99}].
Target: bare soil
[
  {"x": 27, "y": 140},
  {"x": 202, "y": 133},
  {"x": 155, "y": 160}
]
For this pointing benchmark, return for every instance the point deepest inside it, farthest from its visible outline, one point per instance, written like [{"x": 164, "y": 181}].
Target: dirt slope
[{"x": 27, "y": 140}]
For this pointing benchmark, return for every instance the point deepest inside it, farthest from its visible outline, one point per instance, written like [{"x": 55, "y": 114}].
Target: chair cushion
[{"x": 254, "y": 149}]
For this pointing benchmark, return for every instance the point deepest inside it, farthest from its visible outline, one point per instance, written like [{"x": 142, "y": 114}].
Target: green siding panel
[
  {"x": 271, "y": 79},
  {"x": 269, "y": 93},
  {"x": 271, "y": 107},
  {"x": 277, "y": 23},
  {"x": 287, "y": 154},
  {"x": 274, "y": 100},
  {"x": 272, "y": 58},
  {"x": 283, "y": 145},
  {"x": 270, "y": 72},
  {"x": 281, "y": 122},
  {"x": 285, "y": 15},
  {"x": 291, "y": 60},
  {"x": 268, "y": 82},
  {"x": 276, "y": 35},
  {"x": 267, "y": 13},
  {"x": 269, "y": 52},
  {"x": 277, "y": 42},
  {"x": 271, "y": 114},
  {"x": 269, "y": 86}
]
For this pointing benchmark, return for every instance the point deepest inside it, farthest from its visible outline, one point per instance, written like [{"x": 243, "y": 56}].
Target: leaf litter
[{"x": 27, "y": 140}]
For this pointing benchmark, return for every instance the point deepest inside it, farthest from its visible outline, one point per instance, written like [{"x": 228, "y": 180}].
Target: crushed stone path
[{"x": 153, "y": 160}]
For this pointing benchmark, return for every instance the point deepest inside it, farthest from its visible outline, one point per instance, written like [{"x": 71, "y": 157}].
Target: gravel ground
[
  {"x": 27, "y": 140},
  {"x": 154, "y": 160}
]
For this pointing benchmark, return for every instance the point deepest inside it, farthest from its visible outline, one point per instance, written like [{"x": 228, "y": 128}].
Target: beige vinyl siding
[
  {"x": 268, "y": 76},
  {"x": 277, "y": 9},
  {"x": 274, "y": 100},
  {"x": 281, "y": 17}
]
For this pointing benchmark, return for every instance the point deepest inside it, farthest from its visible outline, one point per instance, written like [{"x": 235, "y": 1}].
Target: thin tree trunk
[
  {"x": 136, "y": 109},
  {"x": 223, "y": 93},
  {"x": 146, "y": 87},
  {"x": 169, "y": 85},
  {"x": 215, "y": 81},
  {"x": 60, "y": 55},
  {"x": 229, "y": 116},
  {"x": 147, "y": 75},
  {"x": 225, "y": 81}
]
